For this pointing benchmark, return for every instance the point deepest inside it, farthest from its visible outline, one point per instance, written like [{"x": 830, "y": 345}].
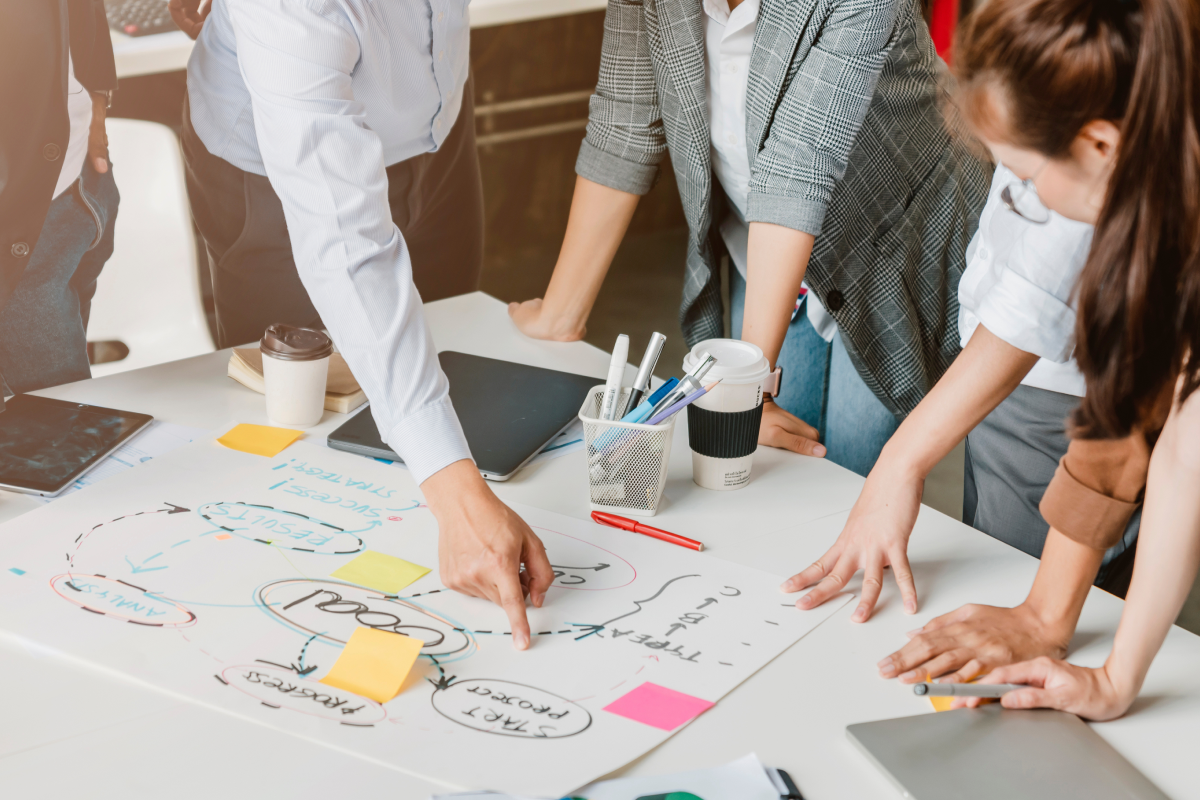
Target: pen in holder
[{"x": 626, "y": 461}]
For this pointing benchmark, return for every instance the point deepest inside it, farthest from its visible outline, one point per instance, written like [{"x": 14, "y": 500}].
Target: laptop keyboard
[{"x": 139, "y": 17}]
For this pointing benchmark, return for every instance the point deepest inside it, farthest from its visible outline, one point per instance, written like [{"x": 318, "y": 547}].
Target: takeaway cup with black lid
[
  {"x": 295, "y": 368},
  {"x": 723, "y": 424}
]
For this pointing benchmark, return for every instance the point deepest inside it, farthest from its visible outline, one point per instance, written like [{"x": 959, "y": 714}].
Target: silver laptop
[{"x": 992, "y": 753}]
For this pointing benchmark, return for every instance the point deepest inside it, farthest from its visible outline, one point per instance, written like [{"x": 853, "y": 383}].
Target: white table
[
  {"x": 167, "y": 52},
  {"x": 128, "y": 741}
]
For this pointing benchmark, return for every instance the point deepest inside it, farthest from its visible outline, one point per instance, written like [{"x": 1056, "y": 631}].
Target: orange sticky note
[
  {"x": 941, "y": 703},
  {"x": 374, "y": 663},
  {"x": 261, "y": 440}
]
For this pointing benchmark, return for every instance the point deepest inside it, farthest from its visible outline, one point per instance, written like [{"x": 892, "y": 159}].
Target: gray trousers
[
  {"x": 436, "y": 201},
  {"x": 1011, "y": 457}
]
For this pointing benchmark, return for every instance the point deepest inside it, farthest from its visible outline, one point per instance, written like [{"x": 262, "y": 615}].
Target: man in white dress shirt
[{"x": 331, "y": 161}]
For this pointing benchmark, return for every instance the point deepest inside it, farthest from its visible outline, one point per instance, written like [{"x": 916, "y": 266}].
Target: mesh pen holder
[{"x": 626, "y": 462}]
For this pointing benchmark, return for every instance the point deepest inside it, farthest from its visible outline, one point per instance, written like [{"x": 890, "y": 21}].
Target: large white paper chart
[{"x": 206, "y": 574}]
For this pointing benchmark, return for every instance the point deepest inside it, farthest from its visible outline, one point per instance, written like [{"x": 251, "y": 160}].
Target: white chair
[{"x": 148, "y": 295}]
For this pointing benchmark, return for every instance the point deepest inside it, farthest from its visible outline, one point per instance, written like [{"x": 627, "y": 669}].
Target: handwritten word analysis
[{"x": 121, "y": 601}]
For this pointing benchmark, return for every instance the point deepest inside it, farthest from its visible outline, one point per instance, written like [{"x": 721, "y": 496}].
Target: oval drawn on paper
[
  {"x": 287, "y": 529},
  {"x": 581, "y": 565},
  {"x": 121, "y": 601},
  {"x": 510, "y": 709},
  {"x": 332, "y": 611},
  {"x": 282, "y": 688}
]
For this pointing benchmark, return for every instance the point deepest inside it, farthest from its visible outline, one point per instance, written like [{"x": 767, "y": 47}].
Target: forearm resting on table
[
  {"x": 1168, "y": 550},
  {"x": 1064, "y": 577},
  {"x": 597, "y": 224},
  {"x": 985, "y": 372}
]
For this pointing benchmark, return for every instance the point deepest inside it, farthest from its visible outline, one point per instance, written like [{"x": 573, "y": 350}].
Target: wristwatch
[
  {"x": 773, "y": 385},
  {"x": 107, "y": 94}
]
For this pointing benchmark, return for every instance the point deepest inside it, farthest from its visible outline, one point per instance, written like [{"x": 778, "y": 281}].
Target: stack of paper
[{"x": 342, "y": 392}]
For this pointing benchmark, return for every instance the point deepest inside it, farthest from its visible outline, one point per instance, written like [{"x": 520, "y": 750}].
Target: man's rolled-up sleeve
[{"x": 327, "y": 167}]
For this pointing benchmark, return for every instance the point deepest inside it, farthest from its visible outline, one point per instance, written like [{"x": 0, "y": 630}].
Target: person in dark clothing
[{"x": 58, "y": 201}]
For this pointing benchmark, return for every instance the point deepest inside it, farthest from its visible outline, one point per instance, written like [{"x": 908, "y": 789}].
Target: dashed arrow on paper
[{"x": 139, "y": 568}]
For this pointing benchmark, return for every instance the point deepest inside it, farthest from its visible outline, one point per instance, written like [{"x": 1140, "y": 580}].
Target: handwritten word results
[{"x": 272, "y": 526}]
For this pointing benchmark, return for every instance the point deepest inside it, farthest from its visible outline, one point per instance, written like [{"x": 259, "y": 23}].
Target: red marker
[{"x": 636, "y": 527}]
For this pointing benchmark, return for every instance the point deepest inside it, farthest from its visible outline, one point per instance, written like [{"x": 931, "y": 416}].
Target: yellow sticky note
[
  {"x": 374, "y": 663},
  {"x": 261, "y": 440},
  {"x": 380, "y": 572}
]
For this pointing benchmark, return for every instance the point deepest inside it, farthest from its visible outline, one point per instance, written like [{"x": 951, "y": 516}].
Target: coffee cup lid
[
  {"x": 289, "y": 343},
  {"x": 737, "y": 361}
]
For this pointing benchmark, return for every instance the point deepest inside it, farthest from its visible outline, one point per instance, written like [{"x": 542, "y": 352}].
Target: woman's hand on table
[
  {"x": 1088, "y": 693},
  {"x": 788, "y": 432},
  {"x": 975, "y": 639},
  {"x": 534, "y": 320},
  {"x": 875, "y": 536},
  {"x": 482, "y": 544}
]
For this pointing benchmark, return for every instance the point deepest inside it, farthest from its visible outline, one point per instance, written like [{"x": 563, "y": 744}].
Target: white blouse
[
  {"x": 729, "y": 38},
  {"x": 1019, "y": 282}
]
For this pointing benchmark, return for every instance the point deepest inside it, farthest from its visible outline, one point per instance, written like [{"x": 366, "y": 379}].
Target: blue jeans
[
  {"x": 822, "y": 387},
  {"x": 43, "y": 328}
]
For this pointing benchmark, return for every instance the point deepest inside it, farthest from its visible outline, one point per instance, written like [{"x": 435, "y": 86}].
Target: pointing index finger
[{"x": 512, "y": 600}]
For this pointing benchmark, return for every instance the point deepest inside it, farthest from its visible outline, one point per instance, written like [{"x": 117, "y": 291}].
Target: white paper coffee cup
[
  {"x": 295, "y": 370},
  {"x": 723, "y": 424}
]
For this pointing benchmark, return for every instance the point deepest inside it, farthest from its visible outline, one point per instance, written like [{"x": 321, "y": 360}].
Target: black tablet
[
  {"x": 47, "y": 444},
  {"x": 508, "y": 411}
]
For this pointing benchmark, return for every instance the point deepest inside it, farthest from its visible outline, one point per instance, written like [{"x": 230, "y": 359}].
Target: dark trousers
[
  {"x": 1011, "y": 457},
  {"x": 436, "y": 201}
]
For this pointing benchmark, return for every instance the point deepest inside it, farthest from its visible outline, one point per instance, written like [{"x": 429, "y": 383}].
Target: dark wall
[{"x": 527, "y": 183}]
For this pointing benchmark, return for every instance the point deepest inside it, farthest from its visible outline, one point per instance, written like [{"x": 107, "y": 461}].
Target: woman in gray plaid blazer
[{"x": 858, "y": 184}]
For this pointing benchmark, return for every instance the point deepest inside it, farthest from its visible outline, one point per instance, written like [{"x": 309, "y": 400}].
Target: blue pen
[
  {"x": 644, "y": 408},
  {"x": 637, "y": 415}
]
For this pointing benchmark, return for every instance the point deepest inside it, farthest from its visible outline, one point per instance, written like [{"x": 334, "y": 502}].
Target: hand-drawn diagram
[{"x": 223, "y": 594}]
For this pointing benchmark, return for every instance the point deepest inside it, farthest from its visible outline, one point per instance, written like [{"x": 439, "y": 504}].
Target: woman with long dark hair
[{"x": 1096, "y": 103}]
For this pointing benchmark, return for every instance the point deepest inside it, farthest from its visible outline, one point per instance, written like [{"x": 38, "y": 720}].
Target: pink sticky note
[{"x": 663, "y": 708}]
